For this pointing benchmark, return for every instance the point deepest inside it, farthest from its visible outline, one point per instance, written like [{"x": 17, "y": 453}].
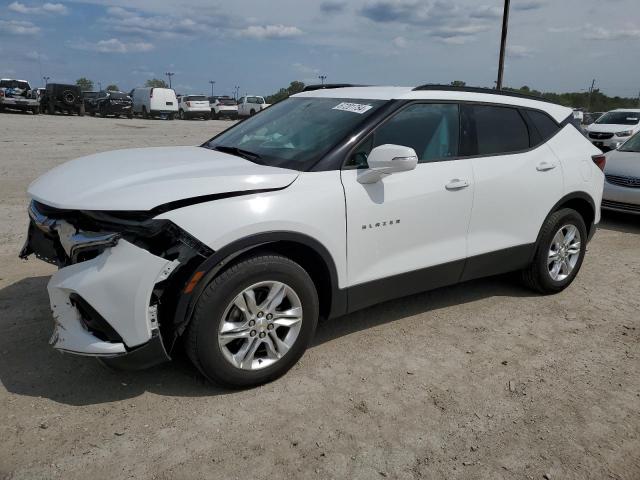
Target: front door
[{"x": 408, "y": 232}]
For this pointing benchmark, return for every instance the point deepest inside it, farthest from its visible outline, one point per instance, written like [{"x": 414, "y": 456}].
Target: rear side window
[
  {"x": 499, "y": 130},
  {"x": 545, "y": 125}
]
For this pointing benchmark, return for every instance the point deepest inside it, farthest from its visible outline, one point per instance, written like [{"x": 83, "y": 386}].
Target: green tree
[
  {"x": 113, "y": 87},
  {"x": 293, "y": 88},
  {"x": 85, "y": 84},
  {"x": 458, "y": 83},
  {"x": 156, "y": 83}
]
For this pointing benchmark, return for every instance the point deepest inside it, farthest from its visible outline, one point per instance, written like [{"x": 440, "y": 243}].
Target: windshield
[
  {"x": 195, "y": 98},
  {"x": 631, "y": 145},
  {"x": 619, "y": 118},
  {"x": 296, "y": 132}
]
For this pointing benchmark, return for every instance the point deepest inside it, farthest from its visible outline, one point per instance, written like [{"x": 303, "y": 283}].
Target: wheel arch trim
[
  {"x": 210, "y": 267},
  {"x": 577, "y": 195}
]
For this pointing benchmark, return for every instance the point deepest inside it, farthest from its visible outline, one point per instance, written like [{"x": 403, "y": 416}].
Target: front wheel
[
  {"x": 181, "y": 114},
  {"x": 253, "y": 322},
  {"x": 559, "y": 253}
]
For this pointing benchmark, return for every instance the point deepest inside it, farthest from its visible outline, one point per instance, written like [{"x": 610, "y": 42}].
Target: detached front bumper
[{"x": 103, "y": 298}]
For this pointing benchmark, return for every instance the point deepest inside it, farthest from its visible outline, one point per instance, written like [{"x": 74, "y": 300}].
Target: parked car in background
[
  {"x": 18, "y": 95},
  {"x": 88, "y": 98},
  {"x": 154, "y": 102},
  {"x": 111, "y": 103},
  {"x": 591, "y": 117},
  {"x": 326, "y": 203},
  {"x": 614, "y": 128},
  {"x": 622, "y": 178},
  {"x": 193, "y": 106},
  {"x": 223, "y": 107},
  {"x": 250, "y": 105},
  {"x": 63, "y": 98}
]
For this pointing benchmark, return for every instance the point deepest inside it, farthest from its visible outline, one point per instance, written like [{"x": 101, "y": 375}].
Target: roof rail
[
  {"x": 311, "y": 88},
  {"x": 491, "y": 91}
]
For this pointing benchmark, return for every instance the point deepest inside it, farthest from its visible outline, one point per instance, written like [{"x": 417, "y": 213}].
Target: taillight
[
  {"x": 151, "y": 93},
  {"x": 1, "y": 93},
  {"x": 600, "y": 161}
]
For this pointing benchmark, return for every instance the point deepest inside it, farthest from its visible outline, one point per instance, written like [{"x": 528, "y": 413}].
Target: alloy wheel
[
  {"x": 564, "y": 252},
  {"x": 260, "y": 325}
]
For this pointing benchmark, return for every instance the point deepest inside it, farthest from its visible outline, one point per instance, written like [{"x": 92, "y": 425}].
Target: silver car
[{"x": 622, "y": 174}]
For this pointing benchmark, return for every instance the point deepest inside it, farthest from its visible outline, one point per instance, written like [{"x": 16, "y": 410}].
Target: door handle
[
  {"x": 456, "y": 184},
  {"x": 545, "y": 166}
]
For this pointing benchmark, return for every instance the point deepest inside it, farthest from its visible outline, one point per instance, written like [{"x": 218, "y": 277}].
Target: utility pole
[
  {"x": 236, "y": 92},
  {"x": 169, "y": 74},
  {"x": 503, "y": 43},
  {"x": 46, "y": 80},
  {"x": 212, "y": 82},
  {"x": 322, "y": 78},
  {"x": 593, "y": 84}
]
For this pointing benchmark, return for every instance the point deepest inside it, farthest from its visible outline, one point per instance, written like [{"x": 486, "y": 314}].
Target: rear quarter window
[{"x": 545, "y": 125}]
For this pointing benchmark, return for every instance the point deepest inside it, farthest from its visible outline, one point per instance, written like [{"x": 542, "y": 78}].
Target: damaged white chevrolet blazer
[{"x": 325, "y": 203}]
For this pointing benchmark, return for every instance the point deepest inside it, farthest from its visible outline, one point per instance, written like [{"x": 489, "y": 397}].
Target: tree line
[{"x": 86, "y": 85}]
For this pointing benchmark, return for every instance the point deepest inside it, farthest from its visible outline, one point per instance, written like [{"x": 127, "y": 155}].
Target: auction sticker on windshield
[{"x": 353, "y": 107}]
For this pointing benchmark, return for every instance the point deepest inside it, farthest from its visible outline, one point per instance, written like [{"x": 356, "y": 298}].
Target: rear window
[
  {"x": 14, "y": 84},
  {"x": 499, "y": 130},
  {"x": 195, "y": 98},
  {"x": 545, "y": 125},
  {"x": 226, "y": 101}
]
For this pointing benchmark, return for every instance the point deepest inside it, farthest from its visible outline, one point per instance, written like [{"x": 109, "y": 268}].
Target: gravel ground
[{"x": 481, "y": 380}]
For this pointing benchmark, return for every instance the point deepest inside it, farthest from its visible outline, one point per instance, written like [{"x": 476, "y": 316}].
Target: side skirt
[{"x": 405, "y": 284}]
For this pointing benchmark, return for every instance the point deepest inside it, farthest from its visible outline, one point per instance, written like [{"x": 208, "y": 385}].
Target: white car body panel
[
  {"x": 141, "y": 179},
  {"x": 162, "y": 100},
  {"x": 412, "y": 221},
  {"x": 245, "y": 108},
  {"x": 512, "y": 199},
  {"x": 124, "y": 272},
  {"x": 580, "y": 174},
  {"x": 313, "y": 205}
]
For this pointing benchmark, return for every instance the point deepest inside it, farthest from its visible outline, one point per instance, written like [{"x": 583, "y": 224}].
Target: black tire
[
  {"x": 201, "y": 340},
  {"x": 252, "y": 113},
  {"x": 536, "y": 276},
  {"x": 182, "y": 115}
]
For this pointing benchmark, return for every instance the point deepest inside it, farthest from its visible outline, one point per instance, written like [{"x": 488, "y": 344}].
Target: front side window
[
  {"x": 432, "y": 130},
  {"x": 297, "y": 132},
  {"x": 499, "y": 130}
]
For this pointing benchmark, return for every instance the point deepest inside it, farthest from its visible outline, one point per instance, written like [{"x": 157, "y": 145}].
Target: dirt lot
[{"x": 482, "y": 380}]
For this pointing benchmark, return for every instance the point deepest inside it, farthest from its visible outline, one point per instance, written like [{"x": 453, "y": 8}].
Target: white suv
[
  {"x": 193, "y": 106},
  {"x": 325, "y": 203},
  {"x": 614, "y": 128}
]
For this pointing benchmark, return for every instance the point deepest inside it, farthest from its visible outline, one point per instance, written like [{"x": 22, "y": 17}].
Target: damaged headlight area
[{"x": 120, "y": 273}]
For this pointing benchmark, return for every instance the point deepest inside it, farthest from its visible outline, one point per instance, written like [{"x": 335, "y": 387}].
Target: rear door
[
  {"x": 518, "y": 179},
  {"x": 408, "y": 232}
]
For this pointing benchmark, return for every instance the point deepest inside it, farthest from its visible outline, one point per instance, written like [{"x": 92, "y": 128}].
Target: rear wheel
[
  {"x": 253, "y": 322},
  {"x": 181, "y": 114},
  {"x": 559, "y": 253}
]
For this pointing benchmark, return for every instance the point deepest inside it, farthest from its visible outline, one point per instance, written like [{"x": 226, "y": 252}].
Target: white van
[{"x": 153, "y": 102}]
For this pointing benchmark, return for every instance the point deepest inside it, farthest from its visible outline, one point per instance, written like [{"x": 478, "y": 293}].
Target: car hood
[
  {"x": 610, "y": 128},
  {"x": 625, "y": 164},
  {"x": 144, "y": 178}
]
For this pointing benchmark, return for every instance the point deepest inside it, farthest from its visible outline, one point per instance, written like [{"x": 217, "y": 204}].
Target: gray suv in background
[{"x": 622, "y": 178}]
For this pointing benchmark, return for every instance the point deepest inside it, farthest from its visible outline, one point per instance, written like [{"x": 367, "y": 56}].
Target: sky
[{"x": 263, "y": 45}]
